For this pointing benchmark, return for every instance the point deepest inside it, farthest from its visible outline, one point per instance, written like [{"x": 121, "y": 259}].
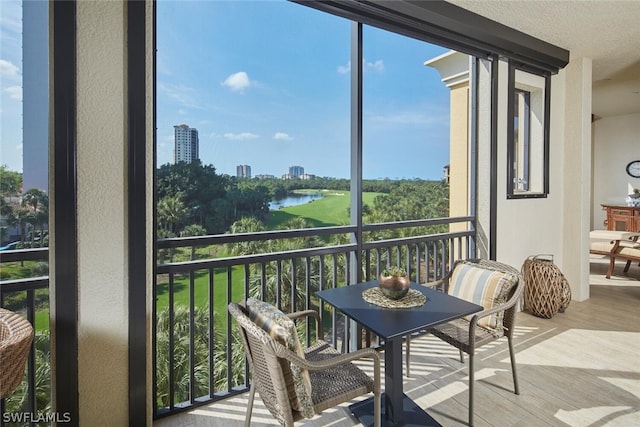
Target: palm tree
[
  {"x": 171, "y": 213},
  {"x": 285, "y": 277},
  {"x": 22, "y": 218},
  {"x": 36, "y": 202},
  {"x": 181, "y": 355},
  {"x": 193, "y": 230},
  {"x": 247, "y": 225}
]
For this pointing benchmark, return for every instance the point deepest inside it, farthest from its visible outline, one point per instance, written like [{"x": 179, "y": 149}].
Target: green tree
[
  {"x": 10, "y": 182},
  {"x": 181, "y": 355},
  {"x": 36, "y": 202},
  {"x": 290, "y": 277},
  {"x": 171, "y": 213},
  {"x": 193, "y": 230},
  {"x": 197, "y": 184},
  {"x": 249, "y": 247}
]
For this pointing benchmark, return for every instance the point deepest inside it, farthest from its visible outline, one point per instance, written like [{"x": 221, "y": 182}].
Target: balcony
[
  {"x": 197, "y": 356},
  {"x": 577, "y": 368}
]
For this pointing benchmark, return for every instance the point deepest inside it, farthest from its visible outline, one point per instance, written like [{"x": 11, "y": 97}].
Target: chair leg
[
  {"x": 377, "y": 409},
  {"x": 252, "y": 393},
  {"x": 408, "y": 355},
  {"x": 513, "y": 366},
  {"x": 612, "y": 262},
  {"x": 471, "y": 381},
  {"x": 626, "y": 267},
  {"x": 461, "y": 356}
]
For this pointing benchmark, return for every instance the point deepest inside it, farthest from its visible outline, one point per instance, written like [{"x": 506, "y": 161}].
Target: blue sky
[
  {"x": 267, "y": 84},
  {"x": 11, "y": 85}
]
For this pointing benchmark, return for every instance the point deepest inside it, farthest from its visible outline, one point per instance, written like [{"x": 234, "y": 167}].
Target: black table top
[{"x": 389, "y": 323}]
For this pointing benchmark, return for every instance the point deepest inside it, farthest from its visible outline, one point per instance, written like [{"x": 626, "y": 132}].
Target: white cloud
[
  {"x": 377, "y": 67},
  {"x": 240, "y": 136},
  {"x": 282, "y": 136},
  {"x": 238, "y": 82},
  {"x": 15, "y": 92},
  {"x": 8, "y": 69},
  {"x": 344, "y": 69}
]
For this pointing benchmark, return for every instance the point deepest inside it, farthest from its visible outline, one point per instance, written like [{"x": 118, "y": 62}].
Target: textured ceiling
[{"x": 608, "y": 32}]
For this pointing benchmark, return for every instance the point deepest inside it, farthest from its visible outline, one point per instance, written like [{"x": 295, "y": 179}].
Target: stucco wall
[
  {"x": 558, "y": 224},
  {"x": 459, "y": 155},
  {"x": 616, "y": 142},
  {"x": 102, "y": 222},
  {"x": 528, "y": 227}
]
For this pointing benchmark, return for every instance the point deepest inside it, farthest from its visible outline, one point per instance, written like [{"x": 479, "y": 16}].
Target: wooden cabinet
[{"x": 622, "y": 218}]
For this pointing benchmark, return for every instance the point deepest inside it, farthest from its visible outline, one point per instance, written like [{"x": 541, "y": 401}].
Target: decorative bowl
[{"x": 394, "y": 287}]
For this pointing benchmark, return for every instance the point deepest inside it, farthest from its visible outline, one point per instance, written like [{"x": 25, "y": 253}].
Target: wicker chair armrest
[
  {"x": 308, "y": 313},
  {"x": 435, "y": 283},
  {"x": 341, "y": 359}
]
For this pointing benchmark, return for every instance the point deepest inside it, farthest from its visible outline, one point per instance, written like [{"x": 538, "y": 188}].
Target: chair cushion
[
  {"x": 485, "y": 287},
  {"x": 283, "y": 330},
  {"x": 625, "y": 247}
]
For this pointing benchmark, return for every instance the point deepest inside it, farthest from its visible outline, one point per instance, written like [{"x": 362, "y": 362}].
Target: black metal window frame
[
  {"x": 65, "y": 224},
  {"x": 512, "y": 176},
  {"x": 450, "y": 26}
]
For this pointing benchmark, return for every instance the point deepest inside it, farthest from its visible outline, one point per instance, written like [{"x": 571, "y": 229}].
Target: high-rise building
[
  {"x": 296, "y": 171},
  {"x": 243, "y": 171},
  {"x": 35, "y": 95},
  {"x": 186, "y": 144}
]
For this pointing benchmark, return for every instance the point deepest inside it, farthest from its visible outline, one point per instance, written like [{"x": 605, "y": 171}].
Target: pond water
[{"x": 294, "y": 199}]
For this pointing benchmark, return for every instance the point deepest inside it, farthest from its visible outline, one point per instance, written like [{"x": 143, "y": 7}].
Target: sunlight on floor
[{"x": 595, "y": 350}]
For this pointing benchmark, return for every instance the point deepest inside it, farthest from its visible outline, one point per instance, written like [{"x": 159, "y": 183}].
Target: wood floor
[{"x": 580, "y": 368}]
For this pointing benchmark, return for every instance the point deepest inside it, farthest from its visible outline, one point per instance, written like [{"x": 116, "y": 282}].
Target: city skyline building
[
  {"x": 243, "y": 171},
  {"x": 35, "y": 95},
  {"x": 296, "y": 171},
  {"x": 186, "y": 144}
]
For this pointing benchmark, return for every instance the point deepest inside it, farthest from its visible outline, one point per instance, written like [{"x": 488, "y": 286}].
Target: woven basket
[{"x": 546, "y": 291}]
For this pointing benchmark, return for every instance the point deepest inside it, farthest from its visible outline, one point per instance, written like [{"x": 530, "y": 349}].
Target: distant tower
[
  {"x": 243, "y": 171},
  {"x": 186, "y": 144},
  {"x": 35, "y": 95},
  {"x": 296, "y": 171}
]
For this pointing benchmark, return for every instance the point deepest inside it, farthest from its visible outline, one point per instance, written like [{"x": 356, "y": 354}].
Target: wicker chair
[
  {"x": 468, "y": 334},
  {"x": 16, "y": 335},
  {"x": 334, "y": 380}
]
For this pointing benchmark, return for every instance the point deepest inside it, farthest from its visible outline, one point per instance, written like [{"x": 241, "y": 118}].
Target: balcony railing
[
  {"x": 29, "y": 297},
  {"x": 202, "y": 360},
  {"x": 198, "y": 357}
]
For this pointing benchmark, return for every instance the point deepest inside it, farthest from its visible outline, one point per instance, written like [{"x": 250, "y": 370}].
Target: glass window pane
[
  {"x": 406, "y": 127},
  {"x": 527, "y": 172}
]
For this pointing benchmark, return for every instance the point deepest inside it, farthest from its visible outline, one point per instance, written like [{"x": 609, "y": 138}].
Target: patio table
[{"x": 392, "y": 324}]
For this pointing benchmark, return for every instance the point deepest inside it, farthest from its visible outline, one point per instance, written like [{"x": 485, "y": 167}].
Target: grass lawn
[
  {"x": 332, "y": 209},
  {"x": 182, "y": 293}
]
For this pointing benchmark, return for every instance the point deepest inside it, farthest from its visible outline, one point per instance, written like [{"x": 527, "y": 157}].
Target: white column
[{"x": 576, "y": 215}]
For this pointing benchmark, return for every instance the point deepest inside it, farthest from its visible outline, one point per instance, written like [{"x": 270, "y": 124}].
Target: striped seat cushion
[
  {"x": 485, "y": 287},
  {"x": 283, "y": 330}
]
